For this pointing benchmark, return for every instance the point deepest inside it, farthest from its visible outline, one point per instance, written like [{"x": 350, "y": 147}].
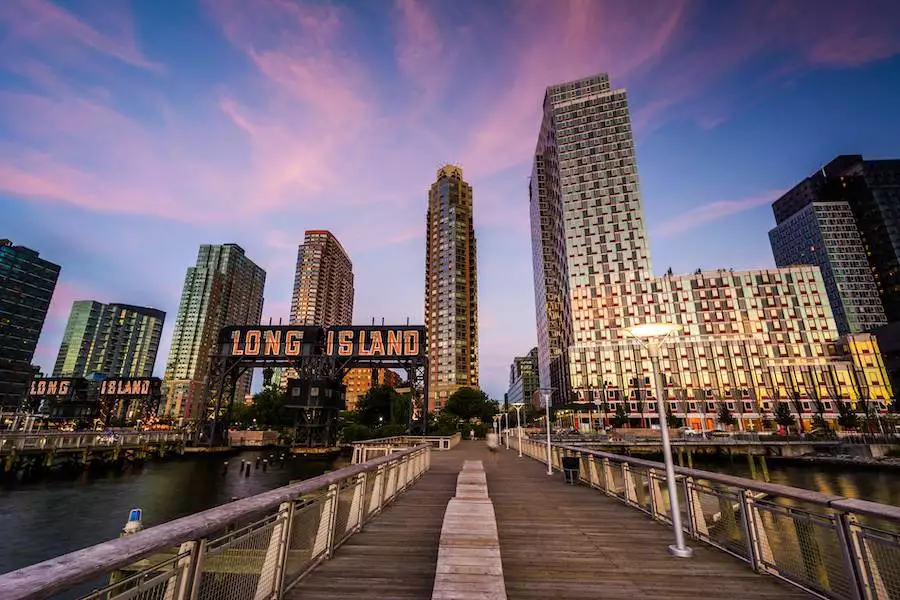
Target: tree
[
  {"x": 783, "y": 415},
  {"x": 819, "y": 422},
  {"x": 468, "y": 404},
  {"x": 620, "y": 419},
  {"x": 268, "y": 409},
  {"x": 673, "y": 420},
  {"x": 725, "y": 416},
  {"x": 375, "y": 407}
]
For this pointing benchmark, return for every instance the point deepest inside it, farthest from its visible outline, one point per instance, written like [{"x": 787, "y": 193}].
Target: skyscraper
[
  {"x": 451, "y": 287},
  {"x": 524, "y": 378},
  {"x": 749, "y": 339},
  {"x": 114, "y": 340},
  {"x": 224, "y": 288},
  {"x": 27, "y": 283},
  {"x": 323, "y": 283},
  {"x": 586, "y": 218},
  {"x": 851, "y": 207}
]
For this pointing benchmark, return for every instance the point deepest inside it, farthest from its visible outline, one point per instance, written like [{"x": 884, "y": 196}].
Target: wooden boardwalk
[{"x": 556, "y": 541}]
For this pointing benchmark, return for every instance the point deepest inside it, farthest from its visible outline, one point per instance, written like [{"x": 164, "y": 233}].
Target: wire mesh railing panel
[
  {"x": 717, "y": 517},
  {"x": 155, "y": 582},
  {"x": 878, "y": 551},
  {"x": 344, "y": 508},
  {"x": 803, "y": 547},
  {"x": 238, "y": 563},
  {"x": 301, "y": 551}
]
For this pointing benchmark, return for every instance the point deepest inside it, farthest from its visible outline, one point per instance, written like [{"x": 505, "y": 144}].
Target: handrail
[
  {"x": 829, "y": 545},
  {"x": 47, "y": 578}
]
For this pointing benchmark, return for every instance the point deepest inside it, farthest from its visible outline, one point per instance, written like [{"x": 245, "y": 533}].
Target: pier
[
  {"x": 42, "y": 451},
  {"x": 598, "y": 527}
]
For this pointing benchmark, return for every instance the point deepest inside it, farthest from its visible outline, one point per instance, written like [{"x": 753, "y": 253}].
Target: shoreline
[{"x": 884, "y": 463}]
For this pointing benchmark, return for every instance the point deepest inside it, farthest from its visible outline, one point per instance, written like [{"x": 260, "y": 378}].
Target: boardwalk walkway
[{"x": 556, "y": 541}]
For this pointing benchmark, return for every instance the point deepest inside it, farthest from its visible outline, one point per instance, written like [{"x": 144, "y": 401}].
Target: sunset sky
[{"x": 132, "y": 132}]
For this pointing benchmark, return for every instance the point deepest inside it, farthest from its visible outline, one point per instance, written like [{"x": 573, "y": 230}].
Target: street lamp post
[
  {"x": 506, "y": 419},
  {"x": 652, "y": 336},
  {"x": 519, "y": 406},
  {"x": 546, "y": 394}
]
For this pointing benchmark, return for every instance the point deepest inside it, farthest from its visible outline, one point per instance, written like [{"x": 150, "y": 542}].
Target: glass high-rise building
[
  {"x": 854, "y": 204},
  {"x": 27, "y": 283},
  {"x": 224, "y": 288},
  {"x": 451, "y": 287},
  {"x": 323, "y": 282},
  {"x": 113, "y": 340},
  {"x": 524, "y": 379},
  {"x": 749, "y": 339}
]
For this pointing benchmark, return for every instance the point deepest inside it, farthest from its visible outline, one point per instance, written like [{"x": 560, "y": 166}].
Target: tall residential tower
[
  {"x": 749, "y": 339},
  {"x": 114, "y": 340},
  {"x": 323, "y": 283},
  {"x": 27, "y": 283},
  {"x": 224, "y": 288},
  {"x": 451, "y": 287}
]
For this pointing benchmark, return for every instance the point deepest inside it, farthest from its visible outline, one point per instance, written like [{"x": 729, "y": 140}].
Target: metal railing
[
  {"x": 830, "y": 546},
  {"x": 369, "y": 449},
  {"x": 83, "y": 440},
  {"x": 256, "y": 548}
]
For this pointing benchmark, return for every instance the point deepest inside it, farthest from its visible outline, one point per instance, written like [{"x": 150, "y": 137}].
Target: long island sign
[{"x": 359, "y": 342}]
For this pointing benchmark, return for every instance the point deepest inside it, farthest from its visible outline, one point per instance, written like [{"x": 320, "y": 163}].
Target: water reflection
[
  {"x": 864, "y": 484},
  {"x": 48, "y": 518}
]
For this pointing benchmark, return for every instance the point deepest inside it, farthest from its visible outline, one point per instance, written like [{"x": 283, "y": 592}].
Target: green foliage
[
  {"x": 847, "y": 417},
  {"x": 266, "y": 412},
  {"x": 673, "y": 420},
  {"x": 725, "y": 416},
  {"x": 620, "y": 419},
  {"x": 376, "y": 406},
  {"x": 783, "y": 415},
  {"x": 469, "y": 404},
  {"x": 355, "y": 432},
  {"x": 819, "y": 422},
  {"x": 444, "y": 423},
  {"x": 391, "y": 429}
]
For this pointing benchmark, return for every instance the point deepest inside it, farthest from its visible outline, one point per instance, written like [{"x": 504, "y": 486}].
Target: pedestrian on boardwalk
[
  {"x": 493, "y": 444},
  {"x": 472, "y": 434}
]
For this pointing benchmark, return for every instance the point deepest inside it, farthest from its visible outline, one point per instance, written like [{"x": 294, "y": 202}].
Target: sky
[{"x": 131, "y": 132}]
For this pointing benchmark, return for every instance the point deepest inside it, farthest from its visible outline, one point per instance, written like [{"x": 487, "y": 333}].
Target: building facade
[
  {"x": 871, "y": 190},
  {"x": 451, "y": 287},
  {"x": 359, "y": 381},
  {"x": 749, "y": 339},
  {"x": 586, "y": 218},
  {"x": 824, "y": 233},
  {"x": 524, "y": 379},
  {"x": 27, "y": 283},
  {"x": 224, "y": 288},
  {"x": 323, "y": 282},
  {"x": 112, "y": 340}
]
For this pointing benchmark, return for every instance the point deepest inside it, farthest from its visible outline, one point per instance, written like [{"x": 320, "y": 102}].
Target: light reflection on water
[{"x": 48, "y": 518}]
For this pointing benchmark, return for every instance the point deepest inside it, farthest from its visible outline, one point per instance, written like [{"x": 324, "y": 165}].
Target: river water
[
  {"x": 47, "y": 518},
  {"x": 44, "y": 519}
]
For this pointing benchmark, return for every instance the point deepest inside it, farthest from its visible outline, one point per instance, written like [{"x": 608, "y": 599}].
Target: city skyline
[{"x": 717, "y": 139}]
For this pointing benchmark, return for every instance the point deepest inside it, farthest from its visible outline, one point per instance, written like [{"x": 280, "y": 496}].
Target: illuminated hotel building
[
  {"x": 359, "y": 381},
  {"x": 323, "y": 282},
  {"x": 114, "y": 340},
  {"x": 224, "y": 288},
  {"x": 749, "y": 339},
  {"x": 451, "y": 289},
  {"x": 27, "y": 283}
]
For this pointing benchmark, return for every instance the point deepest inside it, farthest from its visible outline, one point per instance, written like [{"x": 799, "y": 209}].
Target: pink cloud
[
  {"x": 713, "y": 211},
  {"x": 564, "y": 41},
  {"x": 41, "y": 21}
]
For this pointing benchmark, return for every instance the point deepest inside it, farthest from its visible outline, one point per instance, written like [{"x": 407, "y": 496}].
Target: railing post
[
  {"x": 325, "y": 535},
  {"x": 376, "y": 501},
  {"x": 695, "y": 510},
  {"x": 628, "y": 481},
  {"x": 859, "y": 562},
  {"x": 276, "y": 555},
  {"x": 657, "y": 504}
]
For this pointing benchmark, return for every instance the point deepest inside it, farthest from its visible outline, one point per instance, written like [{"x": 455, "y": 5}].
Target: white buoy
[{"x": 133, "y": 525}]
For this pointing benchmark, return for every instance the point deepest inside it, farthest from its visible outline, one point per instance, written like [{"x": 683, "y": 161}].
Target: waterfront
[{"x": 50, "y": 517}]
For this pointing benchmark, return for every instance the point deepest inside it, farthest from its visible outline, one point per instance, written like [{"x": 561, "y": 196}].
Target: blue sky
[{"x": 132, "y": 132}]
